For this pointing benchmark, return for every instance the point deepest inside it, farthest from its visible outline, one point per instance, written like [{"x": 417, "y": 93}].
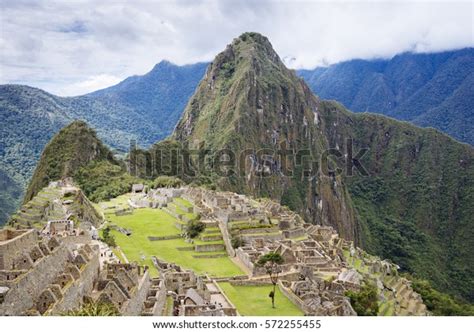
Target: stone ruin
[
  {"x": 315, "y": 274},
  {"x": 125, "y": 286},
  {"x": 154, "y": 198},
  {"x": 57, "y": 203},
  {"x": 193, "y": 295},
  {"x": 57, "y": 269},
  {"x": 43, "y": 276},
  {"x": 48, "y": 275}
]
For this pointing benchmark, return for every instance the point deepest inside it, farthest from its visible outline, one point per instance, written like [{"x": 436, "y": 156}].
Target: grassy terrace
[
  {"x": 119, "y": 202},
  {"x": 183, "y": 202},
  {"x": 155, "y": 222},
  {"x": 254, "y": 301}
]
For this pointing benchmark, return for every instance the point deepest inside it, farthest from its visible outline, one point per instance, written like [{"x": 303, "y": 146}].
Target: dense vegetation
[
  {"x": 430, "y": 90},
  {"x": 167, "y": 182},
  {"x": 75, "y": 146},
  {"x": 108, "y": 238},
  {"x": 415, "y": 206},
  {"x": 103, "y": 180},
  {"x": 194, "y": 228},
  {"x": 10, "y": 195},
  {"x": 441, "y": 304},
  {"x": 94, "y": 309},
  {"x": 365, "y": 301}
]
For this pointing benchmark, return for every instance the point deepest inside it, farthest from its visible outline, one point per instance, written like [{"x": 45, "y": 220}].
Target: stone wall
[
  {"x": 293, "y": 298},
  {"x": 27, "y": 287},
  {"x": 160, "y": 302},
  {"x": 134, "y": 306},
  {"x": 270, "y": 237},
  {"x": 77, "y": 239},
  {"x": 74, "y": 293},
  {"x": 14, "y": 244},
  {"x": 167, "y": 237},
  {"x": 209, "y": 247},
  {"x": 226, "y": 237},
  {"x": 293, "y": 233},
  {"x": 249, "y": 282}
]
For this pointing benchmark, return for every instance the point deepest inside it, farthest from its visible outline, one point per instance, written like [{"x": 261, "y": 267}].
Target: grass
[
  {"x": 179, "y": 210},
  {"x": 155, "y": 222},
  {"x": 183, "y": 202},
  {"x": 300, "y": 238},
  {"x": 110, "y": 206},
  {"x": 254, "y": 301},
  {"x": 386, "y": 308}
]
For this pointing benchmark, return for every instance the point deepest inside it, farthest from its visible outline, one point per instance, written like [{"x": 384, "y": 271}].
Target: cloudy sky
[{"x": 73, "y": 47}]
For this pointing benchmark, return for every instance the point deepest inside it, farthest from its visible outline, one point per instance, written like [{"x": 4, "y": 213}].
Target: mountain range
[
  {"x": 429, "y": 90},
  {"x": 142, "y": 108},
  {"x": 414, "y": 208}
]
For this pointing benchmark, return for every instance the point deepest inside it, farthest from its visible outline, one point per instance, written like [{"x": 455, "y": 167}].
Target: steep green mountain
[
  {"x": 415, "y": 203},
  {"x": 75, "y": 146},
  {"x": 76, "y": 152},
  {"x": 430, "y": 90},
  {"x": 144, "y": 108},
  {"x": 250, "y": 100}
]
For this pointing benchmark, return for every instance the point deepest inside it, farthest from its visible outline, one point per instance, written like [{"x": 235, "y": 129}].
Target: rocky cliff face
[{"x": 410, "y": 201}]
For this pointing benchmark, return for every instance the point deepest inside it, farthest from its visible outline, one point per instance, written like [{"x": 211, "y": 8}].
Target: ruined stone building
[{"x": 43, "y": 276}]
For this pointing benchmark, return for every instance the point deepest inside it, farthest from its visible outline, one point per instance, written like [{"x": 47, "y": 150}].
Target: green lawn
[
  {"x": 110, "y": 206},
  {"x": 154, "y": 222},
  {"x": 254, "y": 301},
  {"x": 183, "y": 202}
]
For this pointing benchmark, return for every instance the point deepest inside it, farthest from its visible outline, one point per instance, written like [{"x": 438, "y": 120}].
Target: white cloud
[
  {"x": 91, "y": 84},
  {"x": 61, "y": 45}
]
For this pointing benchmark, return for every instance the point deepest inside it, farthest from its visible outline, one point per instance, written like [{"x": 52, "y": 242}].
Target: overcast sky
[{"x": 73, "y": 47}]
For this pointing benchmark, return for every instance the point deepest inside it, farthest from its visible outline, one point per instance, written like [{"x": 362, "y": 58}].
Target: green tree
[
  {"x": 194, "y": 228},
  {"x": 438, "y": 303},
  {"x": 364, "y": 301},
  {"x": 108, "y": 238},
  {"x": 271, "y": 262}
]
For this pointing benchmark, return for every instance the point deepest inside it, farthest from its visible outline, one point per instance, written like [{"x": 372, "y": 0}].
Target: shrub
[
  {"x": 95, "y": 309},
  {"x": 108, "y": 238},
  {"x": 167, "y": 182},
  {"x": 365, "y": 301},
  {"x": 438, "y": 303},
  {"x": 194, "y": 228},
  {"x": 237, "y": 242}
]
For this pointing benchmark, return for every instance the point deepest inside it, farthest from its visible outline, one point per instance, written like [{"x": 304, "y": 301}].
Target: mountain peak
[
  {"x": 254, "y": 38},
  {"x": 163, "y": 64},
  {"x": 245, "y": 79},
  {"x": 251, "y": 49},
  {"x": 71, "y": 148}
]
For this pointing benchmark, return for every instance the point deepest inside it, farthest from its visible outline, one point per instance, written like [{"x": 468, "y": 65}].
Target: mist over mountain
[{"x": 429, "y": 90}]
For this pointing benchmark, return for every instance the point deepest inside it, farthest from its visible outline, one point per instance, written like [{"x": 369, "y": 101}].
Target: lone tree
[{"x": 271, "y": 262}]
